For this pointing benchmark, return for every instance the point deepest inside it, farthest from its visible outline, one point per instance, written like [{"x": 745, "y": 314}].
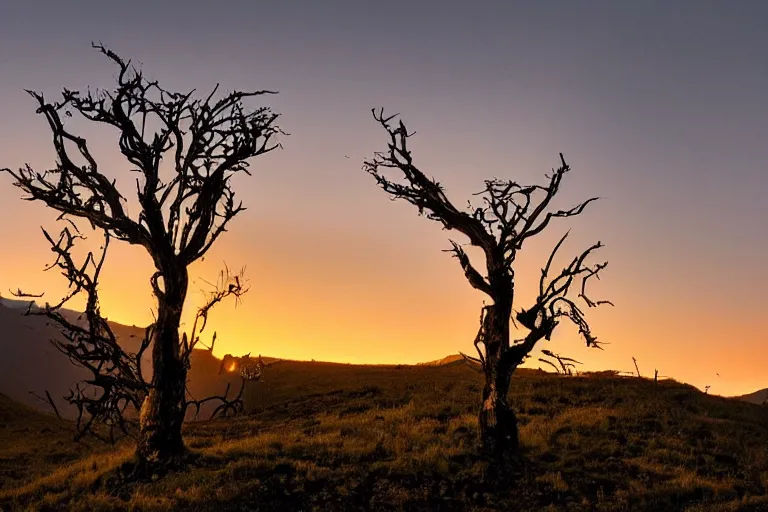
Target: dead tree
[
  {"x": 182, "y": 209},
  {"x": 567, "y": 364},
  {"x": 249, "y": 370},
  {"x": 227, "y": 285},
  {"x": 510, "y": 214},
  {"x": 107, "y": 403}
]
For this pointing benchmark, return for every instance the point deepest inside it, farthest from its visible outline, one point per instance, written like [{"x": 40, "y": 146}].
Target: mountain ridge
[{"x": 31, "y": 365}]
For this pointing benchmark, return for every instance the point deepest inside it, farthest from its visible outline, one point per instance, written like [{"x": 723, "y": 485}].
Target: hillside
[
  {"x": 758, "y": 397},
  {"x": 446, "y": 360},
  {"x": 30, "y": 364},
  {"x": 32, "y": 443},
  {"x": 343, "y": 437}
]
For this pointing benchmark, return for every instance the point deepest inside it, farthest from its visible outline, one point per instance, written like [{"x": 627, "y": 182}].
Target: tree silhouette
[
  {"x": 566, "y": 364},
  {"x": 510, "y": 214},
  {"x": 182, "y": 210},
  {"x": 107, "y": 402}
]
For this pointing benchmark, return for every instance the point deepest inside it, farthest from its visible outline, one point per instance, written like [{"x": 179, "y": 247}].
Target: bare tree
[
  {"x": 510, "y": 214},
  {"x": 567, "y": 364},
  {"x": 116, "y": 386},
  {"x": 107, "y": 402},
  {"x": 182, "y": 211}
]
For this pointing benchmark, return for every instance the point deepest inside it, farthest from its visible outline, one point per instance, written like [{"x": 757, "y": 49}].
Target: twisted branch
[
  {"x": 208, "y": 141},
  {"x": 509, "y": 214},
  {"x": 116, "y": 387}
]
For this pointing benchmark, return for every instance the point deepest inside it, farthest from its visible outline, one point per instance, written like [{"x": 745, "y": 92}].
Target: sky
[{"x": 659, "y": 108}]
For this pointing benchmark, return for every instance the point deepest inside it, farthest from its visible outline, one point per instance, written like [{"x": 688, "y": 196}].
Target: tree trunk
[
  {"x": 162, "y": 415},
  {"x": 498, "y": 423}
]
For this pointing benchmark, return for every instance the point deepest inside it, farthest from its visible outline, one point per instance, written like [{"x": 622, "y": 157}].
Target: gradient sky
[{"x": 659, "y": 107}]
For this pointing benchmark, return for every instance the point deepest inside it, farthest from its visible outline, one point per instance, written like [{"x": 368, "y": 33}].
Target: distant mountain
[
  {"x": 15, "y": 303},
  {"x": 441, "y": 362},
  {"x": 29, "y": 363},
  {"x": 758, "y": 397},
  {"x": 68, "y": 314}
]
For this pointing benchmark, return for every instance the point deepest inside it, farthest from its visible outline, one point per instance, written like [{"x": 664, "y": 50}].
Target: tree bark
[
  {"x": 162, "y": 413},
  {"x": 498, "y": 423}
]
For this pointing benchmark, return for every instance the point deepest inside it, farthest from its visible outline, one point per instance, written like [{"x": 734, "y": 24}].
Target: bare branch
[
  {"x": 550, "y": 363},
  {"x": 509, "y": 213},
  {"x": 567, "y": 364},
  {"x": 211, "y": 141},
  {"x": 426, "y": 194},
  {"x": 473, "y": 276},
  {"x": 249, "y": 370},
  {"x": 116, "y": 385},
  {"x": 473, "y": 362},
  {"x": 182, "y": 211},
  {"x": 20, "y": 294},
  {"x": 48, "y": 400},
  {"x": 553, "y": 301},
  {"x": 227, "y": 285},
  {"x": 227, "y": 405}
]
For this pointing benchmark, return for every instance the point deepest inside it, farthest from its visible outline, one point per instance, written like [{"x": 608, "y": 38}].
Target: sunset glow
[{"x": 672, "y": 144}]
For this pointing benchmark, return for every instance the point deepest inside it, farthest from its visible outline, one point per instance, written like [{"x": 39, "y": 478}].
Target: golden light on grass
[{"x": 661, "y": 445}]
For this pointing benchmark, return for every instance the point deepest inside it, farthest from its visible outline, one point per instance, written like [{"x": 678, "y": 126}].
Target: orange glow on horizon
[
  {"x": 671, "y": 140},
  {"x": 380, "y": 291},
  {"x": 351, "y": 305}
]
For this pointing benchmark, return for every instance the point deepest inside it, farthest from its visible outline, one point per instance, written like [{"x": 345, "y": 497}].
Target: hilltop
[
  {"x": 345, "y": 437},
  {"x": 446, "y": 360},
  {"x": 758, "y": 397}
]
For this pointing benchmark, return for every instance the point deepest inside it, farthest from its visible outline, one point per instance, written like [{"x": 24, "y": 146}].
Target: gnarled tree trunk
[
  {"x": 180, "y": 215},
  {"x": 162, "y": 413},
  {"x": 509, "y": 214},
  {"x": 498, "y": 423}
]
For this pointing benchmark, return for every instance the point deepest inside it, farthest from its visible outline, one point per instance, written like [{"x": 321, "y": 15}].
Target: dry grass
[{"x": 342, "y": 437}]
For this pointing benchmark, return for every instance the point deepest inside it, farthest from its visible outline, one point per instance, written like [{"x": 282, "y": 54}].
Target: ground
[{"x": 341, "y": 437}]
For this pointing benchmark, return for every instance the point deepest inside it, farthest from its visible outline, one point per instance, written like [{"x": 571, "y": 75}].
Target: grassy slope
[
  {"x": 33, "y": 443},
  {"x": 341, "y": 437}
]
